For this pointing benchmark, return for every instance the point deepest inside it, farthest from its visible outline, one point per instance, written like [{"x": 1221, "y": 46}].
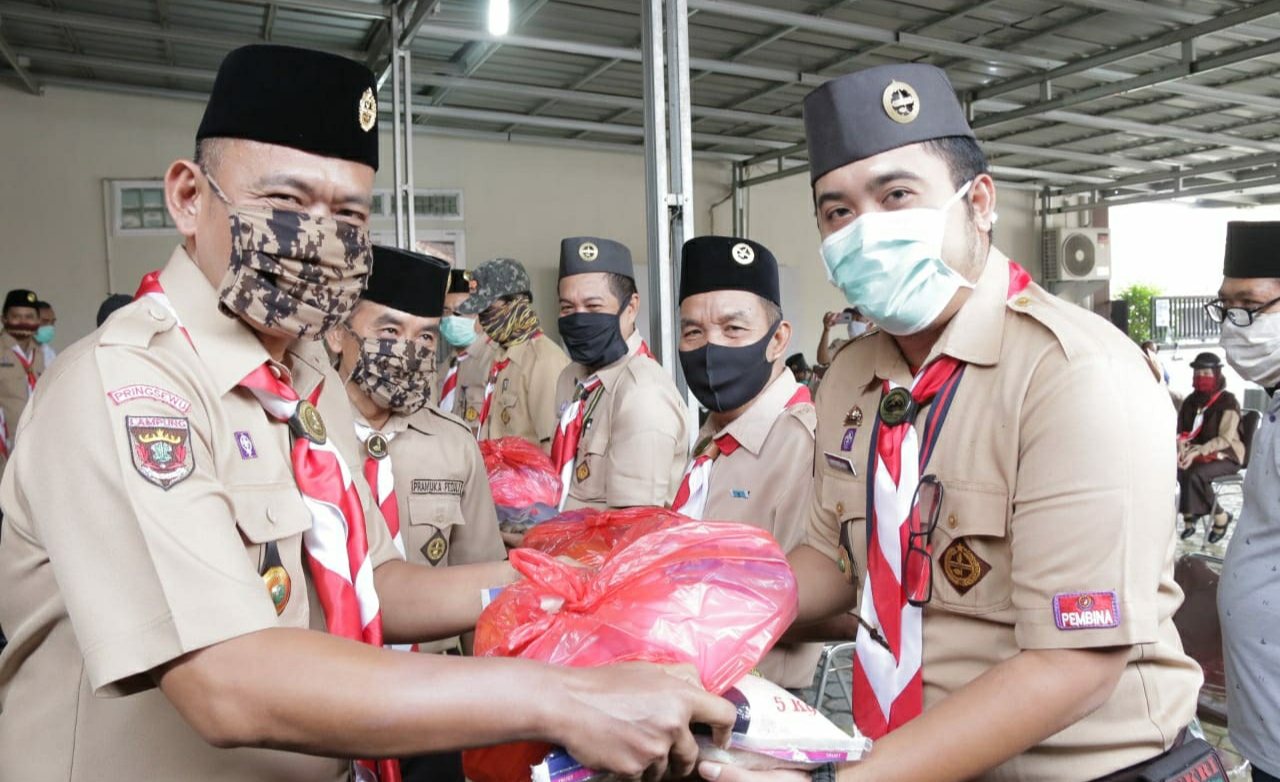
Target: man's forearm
[
  {"x": 1019, "y": 703},
  {"x": 304, "y": 691},
  {"x": 420, "y": 603}
]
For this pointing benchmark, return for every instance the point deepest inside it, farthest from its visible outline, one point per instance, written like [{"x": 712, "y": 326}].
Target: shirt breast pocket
[
  {"x": 845, "y": 495},
  {"x": 272, "y": 521},
  {"x": 430, "y": 529},
  {"x": 972, "y": 561}
]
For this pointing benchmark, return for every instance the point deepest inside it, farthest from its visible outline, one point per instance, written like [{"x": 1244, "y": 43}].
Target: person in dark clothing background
[{"x": 1209, "y": 446}]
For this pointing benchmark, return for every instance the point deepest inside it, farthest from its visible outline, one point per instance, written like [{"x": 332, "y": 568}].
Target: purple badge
[
  {"x": 245, "y": 443},
  {"x": 846, "y": 442}
]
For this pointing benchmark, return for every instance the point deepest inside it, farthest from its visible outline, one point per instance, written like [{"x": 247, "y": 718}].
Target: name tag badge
[
  {"x": 840, "y": 463},
  {"x": 740, "y": 494},
  {"x": 1086, "y": 610}
]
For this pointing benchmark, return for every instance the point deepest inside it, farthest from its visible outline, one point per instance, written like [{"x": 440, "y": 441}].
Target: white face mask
[
  {"x": 1254, "y": 350},
  {"x": 889, "y": 265},
  {"x": 857, "y": 328}
]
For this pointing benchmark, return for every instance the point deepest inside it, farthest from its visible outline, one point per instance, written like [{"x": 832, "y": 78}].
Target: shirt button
[
  {"x": 271, "y": 515},
  {"x": 156, "y": 313},
  {"x": 839, "y": 508},
  {"x": 1022, "y": 301},
  {"x": 952, "y": 521}
]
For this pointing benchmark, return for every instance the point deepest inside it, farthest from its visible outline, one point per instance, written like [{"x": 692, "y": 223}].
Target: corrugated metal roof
[{"x": 1072, "y": 124}]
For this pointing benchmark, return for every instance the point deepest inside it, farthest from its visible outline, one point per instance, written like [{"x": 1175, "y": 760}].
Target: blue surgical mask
[
  {"x": 44, "y": 334},
  {"x": 889, "y": 265},
  {"x": 458, "y": 331}
]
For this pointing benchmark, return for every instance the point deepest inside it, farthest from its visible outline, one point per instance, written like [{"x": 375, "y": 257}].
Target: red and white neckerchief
[
  {"x": 497, "y": 367},
  {"x": 4, "y": 437},
  {"x": 564, "y": 448},
  {"x": 379, "y": 474},
  {"x": 888, "y": 684},
  {"x": 449, "y": 391},
  {"x": 691, "y": 497},
  {"x": 337, "y": 544},
  {"x": 1198, "y": 423},
  {"x": 27, "y": 366}
]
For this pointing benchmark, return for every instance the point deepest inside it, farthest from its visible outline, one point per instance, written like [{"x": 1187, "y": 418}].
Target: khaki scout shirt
[
  {"x": 14, "y": 388},
  {"x": 106, "y": 574},
  {"x": 635, "y": 439},
  {"x": 524, "y": 393},
  {"x": 762, "y": 483},
  {"x": 1057, "y": 470},
  {"x": 473, "y": 372},
  {"x": 447, "y": 516}
]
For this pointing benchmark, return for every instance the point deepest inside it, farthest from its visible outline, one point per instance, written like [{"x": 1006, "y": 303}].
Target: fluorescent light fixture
[{"x": 499, "y": 17}]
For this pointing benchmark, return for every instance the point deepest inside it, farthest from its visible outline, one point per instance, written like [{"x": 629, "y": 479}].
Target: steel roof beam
[
  {"x": 558, "y": 123},
  {"x": 1148, "y": 10},
  {"x": 1057, "y": 153},
  {"x": 1135, "y": 49},
  {"x": 9, "y": 56},
  {"x": 1193, "y": 172},
  {"x": 1168, "y": 195},
  {"x": 868, "y": 33},
  {"x": 112, "y": 26},
  {"x": 349, "y": 8},
  {"x": 472, "y": 63}
]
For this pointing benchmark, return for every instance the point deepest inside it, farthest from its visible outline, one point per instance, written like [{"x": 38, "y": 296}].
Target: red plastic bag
[
  {"x": 714, "y": 594},
  {"x": 589, "y": 536},
  {"x": 520, "y": 474}
]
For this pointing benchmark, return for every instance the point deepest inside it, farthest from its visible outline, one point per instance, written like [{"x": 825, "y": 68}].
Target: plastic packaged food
[
  {"x": 525, "y": 485},
  {"x": 589, "y": 536}
]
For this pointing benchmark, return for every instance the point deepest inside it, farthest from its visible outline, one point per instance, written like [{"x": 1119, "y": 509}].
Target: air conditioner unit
[{"x": 1076, "y": 254}]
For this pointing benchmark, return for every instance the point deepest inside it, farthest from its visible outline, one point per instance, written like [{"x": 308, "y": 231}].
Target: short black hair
[
  {"x": 772, "y": 311},
  {"x": 622, "y": 287},
  {"x": 208, "y": 156},
  {"x": 43, "y": 305},
  {"x": 963, "y": 157},
  {"x": 1149, "y": 344}
]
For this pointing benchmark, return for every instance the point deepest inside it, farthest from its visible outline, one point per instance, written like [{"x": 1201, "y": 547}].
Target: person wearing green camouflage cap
[
  {"x": 991, "y": 484},
  {"x": 623, "y": 433},
  {"x": 519, "y": 398}
]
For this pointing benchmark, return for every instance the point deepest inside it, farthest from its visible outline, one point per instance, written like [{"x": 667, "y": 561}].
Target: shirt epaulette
[{"x": 137, "y": 325}]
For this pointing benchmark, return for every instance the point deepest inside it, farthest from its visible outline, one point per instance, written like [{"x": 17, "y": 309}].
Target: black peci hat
[
  {"x": 407, "y": 281},
  {"x": 308, "y": 100},
  {"x": 589, "y": 254},
  {"x": 1253, "y": 250},
  {"x": 459, "y": 281},
  {"x": 20, "y": 297},
  {"x": 863, "y": 114},
  {"x": 720, "y": 263}
]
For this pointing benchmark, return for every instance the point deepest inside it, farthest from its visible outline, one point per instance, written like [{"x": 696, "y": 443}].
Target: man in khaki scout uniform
[
  {"x": 754, "y": 458},
  {"x": 168, "y": 590},
  {"x": 423, "y": 466},
  {"x": 462, "y": 384},
  {"x": 1014, "y": 568},
  {"x": 444, "y": 509},
  {"x": 21, "y": 363},
  {"x": 519, "y": 396},
  {"x": 623, "y": 432}
]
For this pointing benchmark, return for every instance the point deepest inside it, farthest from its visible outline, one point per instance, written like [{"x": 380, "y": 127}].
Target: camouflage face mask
[
  {"x": 397, "y": 374},
  {"x": 292, "y": 274}
]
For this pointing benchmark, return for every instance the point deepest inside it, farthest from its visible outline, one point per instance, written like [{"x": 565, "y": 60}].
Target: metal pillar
[
  {"x": 668, "y": 164},
  {"x": 402, "y": 139},
  {"x": 740, "y": 208}
]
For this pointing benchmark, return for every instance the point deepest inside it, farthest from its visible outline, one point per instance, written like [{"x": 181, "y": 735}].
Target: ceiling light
[{"x": 499, "y": 17}]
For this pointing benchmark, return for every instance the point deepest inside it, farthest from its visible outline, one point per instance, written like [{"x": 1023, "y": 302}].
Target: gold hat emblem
[
  {"x": 31, "y": 297},
  {"x": 588, "y": 251},
  {"x": 742, "y": 253},
  {"x": 901, "y": 102},
  {"x": 368, "y": 112}
]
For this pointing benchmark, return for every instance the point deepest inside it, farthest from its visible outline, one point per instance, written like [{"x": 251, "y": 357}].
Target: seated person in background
[
  {"x": 856, "y": 324},
  {"x": 1209, "y": 445}
]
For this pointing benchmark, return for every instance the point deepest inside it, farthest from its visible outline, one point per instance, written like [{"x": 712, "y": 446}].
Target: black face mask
[
  {"x": 593, "y": 339},
  {"x": 724, "y": 378}
]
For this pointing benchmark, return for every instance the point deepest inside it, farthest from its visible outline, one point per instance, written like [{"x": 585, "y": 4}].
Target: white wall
[{"x": 520, "y": 200}]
